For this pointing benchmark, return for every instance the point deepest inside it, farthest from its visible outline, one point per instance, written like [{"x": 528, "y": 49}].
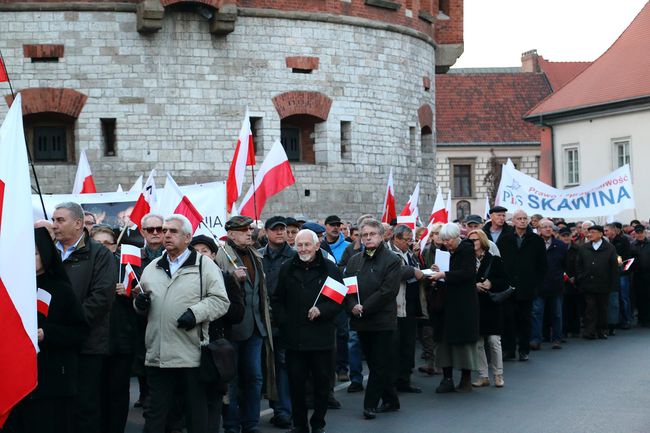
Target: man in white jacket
[{"x": 180, "y": 290}]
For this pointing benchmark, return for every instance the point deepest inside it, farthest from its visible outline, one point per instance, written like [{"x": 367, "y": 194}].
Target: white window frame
[
  {"x": 616, "y": 142},
  {"x": 568, "y": 179}
]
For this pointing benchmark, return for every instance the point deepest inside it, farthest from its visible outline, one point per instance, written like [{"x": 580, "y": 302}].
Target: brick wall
[{"x": 178, "y": 96}]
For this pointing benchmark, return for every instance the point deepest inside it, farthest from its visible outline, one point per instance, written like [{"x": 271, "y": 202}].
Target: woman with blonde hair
[{"x": 490, "y": 278}]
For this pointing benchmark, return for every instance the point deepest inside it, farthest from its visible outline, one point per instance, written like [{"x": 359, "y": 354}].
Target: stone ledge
[
  {"x": 426, "y": 16},
  {"x": 386, "y": 4}
]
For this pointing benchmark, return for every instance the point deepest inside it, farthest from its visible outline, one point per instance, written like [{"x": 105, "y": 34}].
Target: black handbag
[
  {"x": 218, "y": 358},
  {"x": 498, "y": 297}
]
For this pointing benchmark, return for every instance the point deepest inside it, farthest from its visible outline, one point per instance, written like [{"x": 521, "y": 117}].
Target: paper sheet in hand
[
  {"x": 442, "y": 260},
  {"x": 427, "y": 272}
]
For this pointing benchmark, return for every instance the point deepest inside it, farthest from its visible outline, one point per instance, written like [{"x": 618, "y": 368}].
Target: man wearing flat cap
[
  {"x": 497, "y": 225},
  {"x": 597, "y": 276},
  {"x": 276, "y": 252},
  {"x": 244, "y": 263}
]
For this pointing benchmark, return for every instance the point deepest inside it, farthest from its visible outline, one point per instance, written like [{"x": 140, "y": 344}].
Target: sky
[{"x": 496, "y": 32}]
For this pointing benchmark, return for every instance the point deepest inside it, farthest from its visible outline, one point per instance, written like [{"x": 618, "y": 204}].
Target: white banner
[
  {"x": 112, "y": 207},
  {"x": 607, "y": 195}
]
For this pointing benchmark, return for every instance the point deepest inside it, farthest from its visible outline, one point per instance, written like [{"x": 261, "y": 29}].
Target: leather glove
[
  {"x": 143, "y": 301},
  {"x": 187, "y": 320}
]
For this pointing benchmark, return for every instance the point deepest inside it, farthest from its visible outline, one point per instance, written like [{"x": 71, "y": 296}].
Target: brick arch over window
[
  {"x": 315, "y": 104},
  {"x": 51, "y": 100},
  {"x": 213, "y": 3},
  {"x": 425, "y": 116}
]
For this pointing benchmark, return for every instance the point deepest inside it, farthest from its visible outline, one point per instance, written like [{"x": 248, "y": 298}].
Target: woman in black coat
[
  {"x": 490, "y": 278},
  {"x": 460, "y": 312},
  {"x": 49, "y": 408}
]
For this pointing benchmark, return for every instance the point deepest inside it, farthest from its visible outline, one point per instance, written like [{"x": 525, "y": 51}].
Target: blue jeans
[
  {"x": 355, "y": 357},
  {"x": 245, "y": 391},
  {"x": 625, "y": 313},
  {"x": 612, "y": 309},
  {"x": 555, "y": 304},
  {"x": 282, "y": 406}
]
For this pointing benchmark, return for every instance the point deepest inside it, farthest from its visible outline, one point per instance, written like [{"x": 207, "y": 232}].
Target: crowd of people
[{"x": 509, "y": 287}]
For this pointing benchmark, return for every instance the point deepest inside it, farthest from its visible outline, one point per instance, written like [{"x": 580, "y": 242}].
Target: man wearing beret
[
  {"x": 597, "y": 276},
  {"x": 244, "y": 263},
  {"x": 276, "y": 252}
]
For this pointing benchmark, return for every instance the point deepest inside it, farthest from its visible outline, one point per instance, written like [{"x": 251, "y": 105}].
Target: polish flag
[
  {"x": 173, "y": 201},
  {"x": 352, "y": 284},
  {"x": 83, "y": 181},
  {"x": 439, "y": 213},
  {"x": 43, "y": 299},
  {"x": 146, "y": 201},
  {"x": 243, "y": 157},
  {"x": 408, "y": 220},
  {"x": 448, "y": 206},
  {"x": 274, "y": 176},
  {"x": 334, "y": 290},
  {"x": 130, "y": 254},
  {"x": 389, "y": 211},
  {"x": 411, "y": 207},
  {"x": 129, "y": 278},
  {"x": 18, "y": 341}
]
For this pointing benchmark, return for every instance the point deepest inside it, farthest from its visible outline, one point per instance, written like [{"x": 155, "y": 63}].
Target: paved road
[{"x": 587, "y": 387}]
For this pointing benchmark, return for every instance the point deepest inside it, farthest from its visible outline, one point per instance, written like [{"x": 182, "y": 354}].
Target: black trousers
[
  {"x": 642, "y": 295},
  {"x": 523, "y": 324},
  {"x": 509, "y": 336},
  {"x": 573, "y": 311},
  {"x": 88, "y": 416},
  {"x": 44, "y": 415},
  {"x": 116, "y": 383},
  {"x": 162, "y": 385},
  {"x": 379, "y": 351},
  {"x": 596, "y": 313},
  {"x": 300, "y": 366},
  {"x": 405, "y": 342}
]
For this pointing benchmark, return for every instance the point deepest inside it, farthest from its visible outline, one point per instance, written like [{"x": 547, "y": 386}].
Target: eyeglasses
[
  {"x": 170, "y": 230},
  {"x": 107, "y": 243},
  {"x": 152, "y": 230},
  {"x": 474, "y": 240},
  {"x": 369, "y": 235}
]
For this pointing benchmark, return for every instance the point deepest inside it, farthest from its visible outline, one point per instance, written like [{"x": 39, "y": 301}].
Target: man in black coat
[
  {"x": 497, "y": 225},
  {"x": 374, "y": 314},
  {"x": 622, "y": 317},
  {"x": 276, "y": 252},
  {"x": 640, "y": 250},
  {"x": 306, "y": 320},
  {"x": 573, "y": 300},
  {"x": 93, "y": 274},
  {"x": 524, "y": 257},
  {"x": 597, "y": 276},
  {"x": 551, "y": 292}
]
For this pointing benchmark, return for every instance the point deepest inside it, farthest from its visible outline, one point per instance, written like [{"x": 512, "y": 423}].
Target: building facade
[{"x": 347, "y": 85}]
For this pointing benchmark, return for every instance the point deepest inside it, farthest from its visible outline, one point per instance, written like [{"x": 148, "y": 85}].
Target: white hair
[
  {"x": 186, "y": 225},
  {"x": 314, "y": 236},
  {"x": 449, "y": 231},
  {"x": 148, "y": 216}
]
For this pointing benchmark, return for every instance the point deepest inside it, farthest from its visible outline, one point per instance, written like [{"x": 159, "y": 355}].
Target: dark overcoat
[
  {"x": 597, "y": 270},
  {"x": 491, "y": 313},
  {"x": 526, "y": 264},
  {"x": 461, "y": 311}
]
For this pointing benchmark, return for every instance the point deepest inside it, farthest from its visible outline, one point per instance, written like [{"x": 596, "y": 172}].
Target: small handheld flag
[
  {"x": 43, "y": 299},
  {"x": 333, "y": 290},
  {"x": 130, "y": 254},
  {"x": 129, "y": 278}
]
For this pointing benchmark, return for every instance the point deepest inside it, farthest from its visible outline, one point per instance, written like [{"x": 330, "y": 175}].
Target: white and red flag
[
  {"x": 389, "y": 212},
  {"x": 352, "y": 284},
  {"x": 173, "y": 201},
  {"x": 83, "y": 181},
  {"x": 130, "y": 254},
  {"x": 627, "y": 264},
  {"x": 407, "y": 220},
  {"x": 411, "y": 207},
  {"x": 18, "y": 342},
  {"x": 129, "y": 278},
  {"x": 243, "y": 157},
  {"x": 439, "y": 214},
  {"x": 448, "y": 205},
  {"x": 43, "y": 299},
  {"x": 275, "y": 175},
  {"x": 146, "y": 201},
  {"x": 334, "y": 290}
]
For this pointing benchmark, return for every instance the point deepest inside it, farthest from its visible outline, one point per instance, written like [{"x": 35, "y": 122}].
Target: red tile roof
[
  {"x": 622, "y": 73},
  {"x": 487, "y": 108},
  {"x": 560, "y": 73}
]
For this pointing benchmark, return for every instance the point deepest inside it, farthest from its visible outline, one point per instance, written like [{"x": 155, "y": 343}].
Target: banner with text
[
  {"x": 113, "y": 208},
  {"x": 605, "y": 196}
]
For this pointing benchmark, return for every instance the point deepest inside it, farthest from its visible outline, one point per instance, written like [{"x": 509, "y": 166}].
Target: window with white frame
[
  {"x": 621, "y": 152},
  {"x": 571, "y": 166}
]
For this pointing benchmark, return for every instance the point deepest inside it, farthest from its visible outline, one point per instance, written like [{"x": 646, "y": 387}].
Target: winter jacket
[
  {"x": 337, "y": 248},
  {"x": 378, "y": 278},
  {"x": 169, "y": 346},
  {"x": 299, "y": 284},
  {"x": 525, "y": 265},
  {"x": 597, "y": 270},
  {"x": 491, "y": 313},
  {"x": 93, "y": 274},
  {"x": 553, "y": 284},
  {"x": 411, "y": 298},
  {"x": 506, "y": 230}
]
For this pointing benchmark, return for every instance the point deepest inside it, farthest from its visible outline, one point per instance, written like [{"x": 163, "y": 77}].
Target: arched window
[{"x": 463, "y": 209}]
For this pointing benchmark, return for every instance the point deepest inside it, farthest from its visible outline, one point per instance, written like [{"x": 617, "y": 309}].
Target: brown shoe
[
  {"x": 481, "y": 381},
  {"x": 498, "y": 380},
  {"x": 535, "y": 346},
  {"x": 426, "y": 370}
]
